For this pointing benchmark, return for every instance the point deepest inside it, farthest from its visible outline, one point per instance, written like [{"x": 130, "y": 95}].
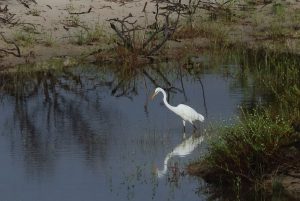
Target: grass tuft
[
  {"x": 24, "y": 38},
  {"x": 250, "y": 147}
]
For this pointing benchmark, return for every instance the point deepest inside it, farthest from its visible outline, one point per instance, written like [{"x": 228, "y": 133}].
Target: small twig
[
  {"x": 126, "y": 41},
  {"x": 144, "y": 9},
  {"x": 49, "y": 6},
  {"x": 167, "y": 36},
  {"x": 24, "y": 3},
  {"x": 106, "y": 7},
  {"x": 79, "y": 13}
]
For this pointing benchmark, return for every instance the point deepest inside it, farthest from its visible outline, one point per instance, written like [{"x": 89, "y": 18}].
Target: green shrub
[{"x": 250, "y": 147}]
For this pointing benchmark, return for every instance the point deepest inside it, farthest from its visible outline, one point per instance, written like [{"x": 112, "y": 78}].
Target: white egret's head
[{"x": 157, "y": 90}]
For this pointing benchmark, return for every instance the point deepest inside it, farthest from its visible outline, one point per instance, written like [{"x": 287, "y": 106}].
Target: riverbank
[
  {"x": 82, "y": 31},
  {"x": 282, "y": 179},
  {"x": 261, "y": 150},
  {"x": 33, "y": 32}
]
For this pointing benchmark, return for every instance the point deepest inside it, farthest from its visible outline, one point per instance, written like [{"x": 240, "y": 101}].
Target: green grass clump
[
  {"x": 48, "y": 40},
  {"x": 249, "y": 148},
  {"x": 24, "y": 38},
  {"x": 92, "y": 35},
  {"x": 278, "y": 9},
  {"x": 253, "y": 147}
]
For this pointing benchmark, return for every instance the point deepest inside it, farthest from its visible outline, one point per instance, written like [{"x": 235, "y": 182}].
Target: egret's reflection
[{"x": 187, "y": 146}]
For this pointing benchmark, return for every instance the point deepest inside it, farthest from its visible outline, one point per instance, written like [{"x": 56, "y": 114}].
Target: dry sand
[
  {"x": 54, "y": 29},
  {"x": 53, "y": 19}
]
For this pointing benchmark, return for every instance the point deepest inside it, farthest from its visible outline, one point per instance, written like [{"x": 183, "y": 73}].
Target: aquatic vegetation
[{"x": 255, "y": 147}]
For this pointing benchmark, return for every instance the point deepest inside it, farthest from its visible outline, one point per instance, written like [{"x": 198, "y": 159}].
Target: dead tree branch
[
  {"x": 6, "y": 17},
  {"x": 166, "y": 17},
  {"x": 13, "y": 51}
]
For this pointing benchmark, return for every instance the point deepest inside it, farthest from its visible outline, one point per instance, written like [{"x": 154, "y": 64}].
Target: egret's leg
[
  {"x": 195, "y": 128},
  {"x": 183, "y": 125}
]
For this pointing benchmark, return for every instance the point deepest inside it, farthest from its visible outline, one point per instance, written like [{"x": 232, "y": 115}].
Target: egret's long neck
[{"x": 166, "y": 102}]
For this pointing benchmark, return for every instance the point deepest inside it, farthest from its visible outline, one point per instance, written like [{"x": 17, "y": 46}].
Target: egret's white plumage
[{"x": 184, "y": 111}]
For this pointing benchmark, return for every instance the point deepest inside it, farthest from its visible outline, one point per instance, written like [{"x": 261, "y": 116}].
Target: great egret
[{"x": 185, "y": 112}]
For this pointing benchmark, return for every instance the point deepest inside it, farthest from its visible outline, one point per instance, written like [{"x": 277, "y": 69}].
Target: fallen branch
[
  {"x": 144, "y": 9},
  {"x": 14, "y": 51}
]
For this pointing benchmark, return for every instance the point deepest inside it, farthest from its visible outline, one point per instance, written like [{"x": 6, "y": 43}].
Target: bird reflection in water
[{"x": 185, "y": 148}]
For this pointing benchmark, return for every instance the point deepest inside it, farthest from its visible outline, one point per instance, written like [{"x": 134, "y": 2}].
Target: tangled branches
[
  {"x": 6, "y": 17},
  {"x": 148, "y": 39}
]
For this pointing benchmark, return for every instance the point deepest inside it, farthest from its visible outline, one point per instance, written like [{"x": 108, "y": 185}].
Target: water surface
[{"x": 88, "y": 133}]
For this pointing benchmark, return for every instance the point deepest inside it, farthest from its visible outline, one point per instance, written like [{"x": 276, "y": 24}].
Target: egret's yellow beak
[{"x": 153, "y": 95}]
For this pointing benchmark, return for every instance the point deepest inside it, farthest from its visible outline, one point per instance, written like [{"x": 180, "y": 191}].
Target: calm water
[{"x": 87, "y": 133}]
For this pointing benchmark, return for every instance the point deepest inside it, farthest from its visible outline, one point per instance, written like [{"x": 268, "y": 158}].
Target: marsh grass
[
  {"x": 92, "y": 35},
  {"x": 278, "y": 9},
  {"x": 249, "y": 148},
  {"x": 254, "y": 146},
  {"x": 277, "y": 186},
  {"x": 216, "y": 31},
  {"x": 24, "y": 81},
  {"x": 273, "y": 26},
  {"x": 24, "y": 38},
  {"x": 48, "y": 40}
]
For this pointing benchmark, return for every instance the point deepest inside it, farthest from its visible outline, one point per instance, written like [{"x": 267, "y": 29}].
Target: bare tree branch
[{"x": 15, "y": 51}]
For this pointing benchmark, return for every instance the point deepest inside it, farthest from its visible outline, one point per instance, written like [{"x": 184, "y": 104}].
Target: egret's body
[{"x": 184, "y": 111}]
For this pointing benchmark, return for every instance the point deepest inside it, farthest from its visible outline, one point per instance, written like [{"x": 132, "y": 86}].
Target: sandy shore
[
  {"x": 43, "y": 29},
  {"x": 60, "y": 21}
]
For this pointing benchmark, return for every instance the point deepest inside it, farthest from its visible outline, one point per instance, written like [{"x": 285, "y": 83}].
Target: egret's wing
[{"x": 186, "y": 112}]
